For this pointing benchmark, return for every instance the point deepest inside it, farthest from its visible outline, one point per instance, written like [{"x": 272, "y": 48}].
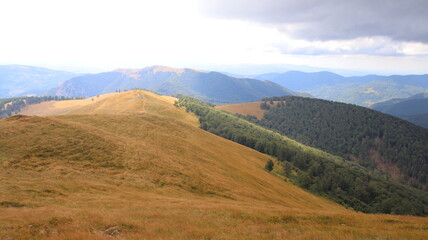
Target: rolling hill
[
  {"x": 360, "y": 90},
  {"x": 210, "y": 86},
  {"x": 131, "y": 165},
  {"x": 370, "y": 138},
  {"x": 19, "y": 80}
]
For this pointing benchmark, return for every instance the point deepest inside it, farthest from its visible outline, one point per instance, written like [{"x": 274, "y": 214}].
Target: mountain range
[
  {"x": 256, "y": 69},
  {"x": 210, "y": 86},
  {"x": 20, "y": 80},
  {"x": 361, "y": 90},
  {"x": 218, "y": 87}
]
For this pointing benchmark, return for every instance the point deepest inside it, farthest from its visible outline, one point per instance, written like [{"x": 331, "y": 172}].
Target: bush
[{"x": 269, "y": 165}]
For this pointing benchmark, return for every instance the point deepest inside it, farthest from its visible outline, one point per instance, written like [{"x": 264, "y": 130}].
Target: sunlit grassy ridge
[{"x": 133, "y": 166}]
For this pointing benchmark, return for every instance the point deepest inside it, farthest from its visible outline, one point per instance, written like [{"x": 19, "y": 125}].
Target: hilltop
[
  {"x": 210, "y": 86},
  {"x": 132, "y": 165}
]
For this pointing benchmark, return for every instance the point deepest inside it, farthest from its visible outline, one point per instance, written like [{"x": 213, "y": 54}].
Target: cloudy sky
[{"x": 379, "y": 36}]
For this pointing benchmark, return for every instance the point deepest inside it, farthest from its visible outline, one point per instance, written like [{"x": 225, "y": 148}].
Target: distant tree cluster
[
  {"x": 264, "y": 106},
  {"x": 319, "y": 172},
  {"x": 267, "y": 106},
  {"x": 353, "y": 132},
  {"x": 11, "y": 106}
]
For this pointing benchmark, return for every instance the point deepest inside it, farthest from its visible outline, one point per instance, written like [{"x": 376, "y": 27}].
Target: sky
[{"x": 373, "y": 36}]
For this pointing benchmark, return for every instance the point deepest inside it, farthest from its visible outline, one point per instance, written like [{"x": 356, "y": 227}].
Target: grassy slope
[
  {"x": 132, "y": 165},
  {"x": 250, "y": 108}
]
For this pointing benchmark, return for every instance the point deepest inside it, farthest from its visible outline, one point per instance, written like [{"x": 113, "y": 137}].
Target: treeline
[
  {"x": 356, "y": 133},
  {"x": 322, "y": 173},
  {"x": 11, "y": 106}
]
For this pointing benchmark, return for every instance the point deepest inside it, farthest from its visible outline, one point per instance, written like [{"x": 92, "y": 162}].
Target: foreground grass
[
  {"x": 71, "y": 204},
  {"x": 155, "y": 175}
]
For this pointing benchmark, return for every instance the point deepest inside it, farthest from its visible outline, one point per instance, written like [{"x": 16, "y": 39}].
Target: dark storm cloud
[{"x": 400, "y": 20}]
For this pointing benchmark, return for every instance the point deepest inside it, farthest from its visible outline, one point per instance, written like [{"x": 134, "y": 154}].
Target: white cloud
[
  {"x": 95, "y": 35},
  {"x": 400, "y": 20},
  {"x": 380, "y": 46}
]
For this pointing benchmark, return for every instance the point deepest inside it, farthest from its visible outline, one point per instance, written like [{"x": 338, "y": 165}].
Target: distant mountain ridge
[
  {"x": 361, "y": 90},
  {"x": 257, "y": 69},
  {"x": 209, "y": 86},
  {"x": 413, "y": 109},
  {"x": 20, "y": 80}
]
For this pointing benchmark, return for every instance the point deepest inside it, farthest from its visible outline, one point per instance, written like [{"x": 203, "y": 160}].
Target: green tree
[
  {"x": 287, "y": 168},
  {"x": 269, "y": 165},
  {"x": 264, "y": 106}
]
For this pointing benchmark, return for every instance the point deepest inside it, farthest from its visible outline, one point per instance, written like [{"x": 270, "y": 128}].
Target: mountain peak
[
  {"x": 159, "y": 68},
  {"x": 153, "y": 69}
]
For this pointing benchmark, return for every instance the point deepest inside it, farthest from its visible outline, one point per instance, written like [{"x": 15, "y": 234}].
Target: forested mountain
[
  {"x": 370, "y": 138},
  {"x": 19, "y": 80},
  {"x": 342, "y": 181},
  {"x": 360, "y": 90},
  {"x": 210, "y": 86}
]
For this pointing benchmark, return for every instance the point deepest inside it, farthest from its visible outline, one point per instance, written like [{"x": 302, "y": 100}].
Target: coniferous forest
[
  {"x": 333, "y": 177},
  {"x": 372, "y": 139}
]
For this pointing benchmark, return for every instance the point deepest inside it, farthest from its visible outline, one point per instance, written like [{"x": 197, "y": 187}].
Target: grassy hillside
[
  {"x": 133, "y": 166},
  {"x": 251, "y": 108}
]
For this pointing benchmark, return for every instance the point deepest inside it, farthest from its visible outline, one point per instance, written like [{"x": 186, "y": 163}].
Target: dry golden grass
[
  {"x": 251, "y": 108},
  {"x": 50, "y": 108},
  {"x": 132, "y": 166}
]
